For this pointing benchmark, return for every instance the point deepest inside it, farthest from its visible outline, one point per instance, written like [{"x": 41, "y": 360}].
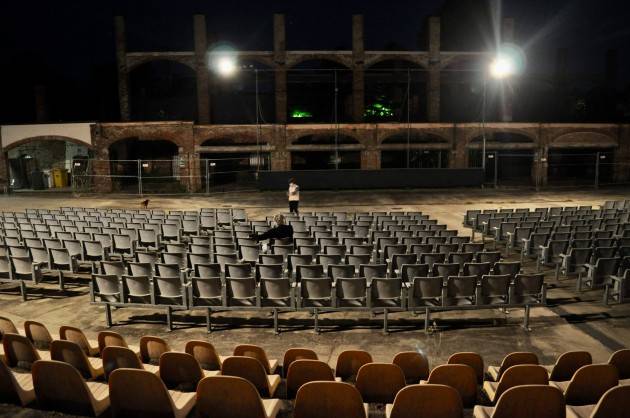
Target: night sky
[{"x": 68, "y": 46}]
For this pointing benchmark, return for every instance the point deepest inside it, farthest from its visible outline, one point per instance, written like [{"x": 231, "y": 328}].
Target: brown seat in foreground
[
  {"x": 293, "y": 354},
  {"x": 111, "y": 338},
  {"x": 151, "y": 348},
  {"x": 75, "y": 396},
  {"x": 519, "y": 375},
  {"x": 205, "y": 353},
  {"x": 414, "y": 365},
  {"x": 257, "y": 352},
  {"x": 123, "y": 358},
  {"x": 90, "y": 368},
  {"x": 588, "y": 384},
  {"x": 38, "y": 334},
  {"x": 142, "y": 394},
  {"x": 349, "y": 362},
  {"x": 458, "y": 376},
  {"x": 379, "y": 382},
  {"x": 621, "y": 360},
  {"x": 7, "y": 327},
  {"x": 471, "y": 359},
  {"x": 567, "y": 364},
  {"x": 16, "y": 387},
  {"x": 180, "y": 371},
  {"x": 303, "y": 371},
  {"x": 426, "y": 401},
  {"x": 329, "y": 399},
  {"x": 234, "y": 397},
  {"x": 510, "y": 360},
  {"x": 528, "y": 401},
  {"x": 615, "y": 403},
  {"x": 19, "y": 352},
  {"x": 76, "y": 335},
  {"x": 251, "y": 369}
]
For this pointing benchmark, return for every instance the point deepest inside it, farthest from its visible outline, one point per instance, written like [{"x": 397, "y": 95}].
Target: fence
[{"x": 174, "y": 176}]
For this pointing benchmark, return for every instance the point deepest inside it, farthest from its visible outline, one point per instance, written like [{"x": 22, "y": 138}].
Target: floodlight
[
  {"x": 225, "y": 65},
  {"x": 502, "y": 67}
]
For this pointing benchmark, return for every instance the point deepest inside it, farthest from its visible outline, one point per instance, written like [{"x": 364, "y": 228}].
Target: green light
[
  {"x": 378, "y": 109},
  {"x": 301, "y": 114}
]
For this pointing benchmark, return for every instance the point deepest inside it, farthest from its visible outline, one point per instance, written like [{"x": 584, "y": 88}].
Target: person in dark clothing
[{"x": 280, "y": 231}]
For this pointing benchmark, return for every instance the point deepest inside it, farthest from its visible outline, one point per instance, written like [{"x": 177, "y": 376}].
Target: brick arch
[
  {"x": 292, "y": 61},
  {"x": 47, "y": 138},
  {"x": 584, "y": 139},
  {"x": 418, "y": 61},
  {"x": 293, "y": 137},
  {"x": 382, "y": 137},
  {"x": 477, "y": 133},
  {"x": 135, "y": 62},
  {"x": 147, "y": 140}
]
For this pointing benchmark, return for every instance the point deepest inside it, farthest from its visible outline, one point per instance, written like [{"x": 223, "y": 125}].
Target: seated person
[{"x": 280, "y": 231}]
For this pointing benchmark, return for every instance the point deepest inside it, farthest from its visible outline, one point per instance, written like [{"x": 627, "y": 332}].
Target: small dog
[{"x": 144, "y": 204}]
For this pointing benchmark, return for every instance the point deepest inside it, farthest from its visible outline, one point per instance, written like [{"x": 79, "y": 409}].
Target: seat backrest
[
  {"x": 253, "y": 351},
  {"x": 427, "y": 401},
  {"x": 351, "y": 288},
  {"x": 427, "y": 287},
  {"x": 589, "y": 383},
  {"x": 461, "y": 287},
  {"x": 248, "y": 368},
  {"x": 119, "y": 358},
  {"x": 75, "y": 335},
  {"x": 316, "y": 288},
  {"x": 568, "y": 363},
  {"x": 471, "y": 359},
  {"x": 350, "y": 361},
  {"x": 232, "y": 396},
  {"x": 303, "y": 371},
  {"x": 71, "y": 397},
  {"x": 151, "y": 348},
  {"x": 522, "y": 374},
  {"x": 460, "y": 377},
  {"x": 38, "y": 334},
  {"x": 293, "y": 354},
  {"x": 328, "y": 399},
  {"x": 621, "y": 360},
  {"x": 518, "y": 357},
  {"x": 110, "y": 338},
  {"x": 180, "y": 371},
  {"x": 19, "y": 351},
  {"x": 540, "y": 401},
  {"x": 7, "y": 326},
  {"x": 386, "y": 288},
  {"x": 138, "y": 393},
  {"x": 71, "y": 353},
  {"x": 205, "y": 354},
  {"x": 415, "y": 365},
  {"x": 379, "y": 382},
  {"x": 615, "y": 403}
]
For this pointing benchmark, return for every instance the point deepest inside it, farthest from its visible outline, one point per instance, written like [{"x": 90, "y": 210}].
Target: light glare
[
  {"x": 226, "y": 66},
  {"x": 502, "y": 67}
]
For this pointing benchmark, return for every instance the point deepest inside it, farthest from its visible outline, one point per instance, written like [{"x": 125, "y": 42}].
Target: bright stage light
[
  {"x": 509, "y": 61},
  {"x": 225, "y": 66},
  {"x": 501, "y": 67}
]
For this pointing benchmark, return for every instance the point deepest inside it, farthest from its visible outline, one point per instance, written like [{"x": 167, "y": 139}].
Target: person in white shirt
[{"x": 294, "y": 196}]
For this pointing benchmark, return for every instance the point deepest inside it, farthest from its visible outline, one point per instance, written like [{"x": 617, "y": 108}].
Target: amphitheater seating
[
  {"x": 188, "y": 260},
  {"x": 181, "y": 381}
]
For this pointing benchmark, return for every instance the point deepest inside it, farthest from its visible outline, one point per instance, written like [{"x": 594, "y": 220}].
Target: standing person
[{"x": 294, "y": 196}]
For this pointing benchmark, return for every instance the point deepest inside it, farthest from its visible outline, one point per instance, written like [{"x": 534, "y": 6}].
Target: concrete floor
[{"x": 571, "y": 322}]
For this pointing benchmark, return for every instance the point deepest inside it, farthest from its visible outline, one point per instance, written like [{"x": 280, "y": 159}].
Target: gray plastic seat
[
  {"x": 351, "y": 293},
  {"x": 460, "y": 291},
  {"x": 494, "y": 290}
]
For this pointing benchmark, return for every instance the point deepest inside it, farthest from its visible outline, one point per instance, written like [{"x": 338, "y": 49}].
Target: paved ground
[{"x": 571, "y": 322}]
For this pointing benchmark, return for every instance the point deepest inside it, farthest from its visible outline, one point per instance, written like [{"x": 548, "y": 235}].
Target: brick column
[
  {"x": 358, "y": 77},
  {"x": 433, "y": 83},
  {"x": 121, "y": 61},
  {"x": 371, "y": 155},
  {"x": 201, "y": 67},
  {"x": 279, "y": 57},
  {"x": 622, "y": 155},
  {"x": 459, "y": 157},
  {"x": 280, "y": 157}
]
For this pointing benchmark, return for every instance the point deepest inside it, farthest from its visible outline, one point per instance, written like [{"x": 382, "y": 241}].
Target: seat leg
[
  {"x": 427, "y": 319},
  {"x": 169, "y": 318},
  {"x": 208, "y": 320},
  {"x": 316, "y": 320},
  {"x": 108, "y": 315},
  {"x": 578, "y": 283},
  {"x": 557, "y": 272},
  {"x": 62, "y": 285},
  {"x": 526, "y": 319},
  {"x": 23, "y": 290},
  {"x": 275, "y": 322},
  {"x": 385, "y": 328}
]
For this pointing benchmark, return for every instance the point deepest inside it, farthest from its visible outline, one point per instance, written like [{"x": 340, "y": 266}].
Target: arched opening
[
  {"x": 153, "y": 160},
  {"x": 416, "y": 150},
  {"x": 509, "y": 157},
  {"x": 311, "y": 92},
  {"x": 319, "y": 152},
  {"x": 576, "y": 158},
  {"x": 388, "y": 84},
  {"x": 45, "y": 163},
  {"x": 229, "y": 164},
  {"x": 462, "y": 92},
  {"x": 163, "y": 90},
  {"x": 234, "y": 98}
]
